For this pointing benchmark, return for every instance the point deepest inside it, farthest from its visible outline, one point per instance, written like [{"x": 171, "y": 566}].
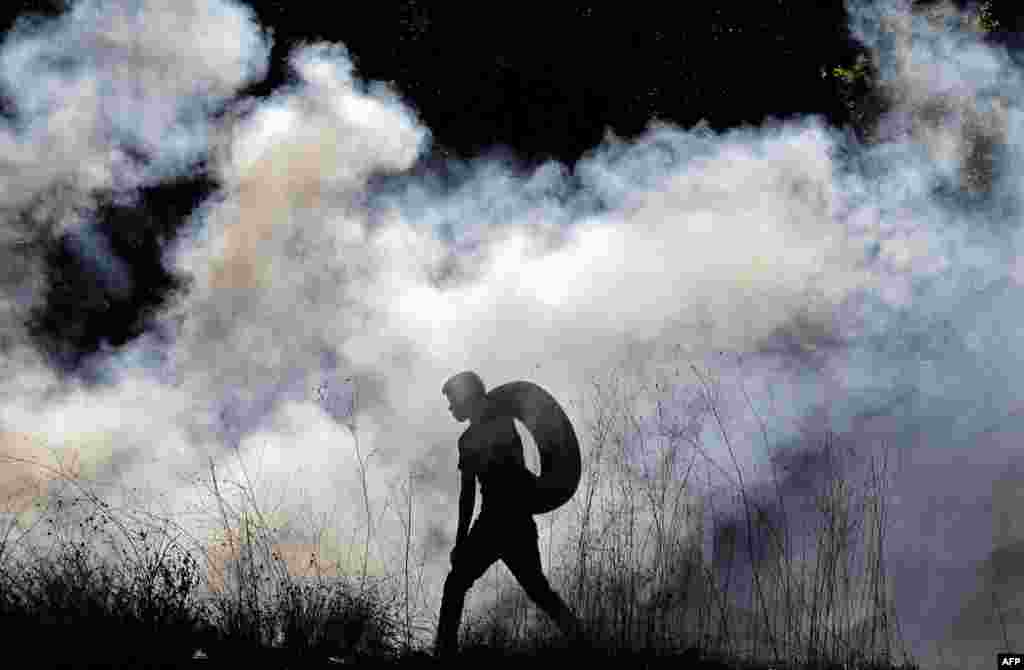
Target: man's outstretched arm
[{"x": 467, "y": 503}]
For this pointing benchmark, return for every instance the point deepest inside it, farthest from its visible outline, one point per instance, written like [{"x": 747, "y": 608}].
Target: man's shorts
[{"x": 510, "y": 538}]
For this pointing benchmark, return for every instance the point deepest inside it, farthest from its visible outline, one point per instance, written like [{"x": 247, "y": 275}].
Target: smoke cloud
[{"x": 865, "y": 288}]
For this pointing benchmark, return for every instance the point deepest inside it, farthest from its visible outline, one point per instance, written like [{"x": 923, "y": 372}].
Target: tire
[{"x": 560, "y": 465}]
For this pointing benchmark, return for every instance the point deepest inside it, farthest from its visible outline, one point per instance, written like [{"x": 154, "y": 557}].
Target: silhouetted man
[{"x": 490, "y": 449}]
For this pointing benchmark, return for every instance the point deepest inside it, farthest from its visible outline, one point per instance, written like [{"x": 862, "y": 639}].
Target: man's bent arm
[{"x": 467, "y": 502}]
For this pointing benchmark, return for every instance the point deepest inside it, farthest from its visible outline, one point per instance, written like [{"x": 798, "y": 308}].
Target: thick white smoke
[
  {"x": 326, "y": 307},
  {"x": 106, "y": 98}
]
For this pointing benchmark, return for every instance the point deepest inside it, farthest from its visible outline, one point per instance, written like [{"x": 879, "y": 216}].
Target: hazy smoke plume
[{"x": 865, "y": 288}]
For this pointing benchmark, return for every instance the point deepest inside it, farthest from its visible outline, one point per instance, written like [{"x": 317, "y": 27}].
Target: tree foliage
[{"x": 856, "y": 82}]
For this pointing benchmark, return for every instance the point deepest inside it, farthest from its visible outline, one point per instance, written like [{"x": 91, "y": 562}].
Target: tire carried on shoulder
[{"x": 560, "y": 465}]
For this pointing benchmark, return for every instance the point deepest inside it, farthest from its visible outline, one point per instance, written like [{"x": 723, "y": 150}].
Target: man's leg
[
  {"x": 478, "y": 554},
  {"x": 452, "y": 602},
  {"x": 522, "y": 557}
]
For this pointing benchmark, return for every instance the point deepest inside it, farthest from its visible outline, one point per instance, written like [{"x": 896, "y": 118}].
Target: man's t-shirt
[{"x": 493, "y": 452}]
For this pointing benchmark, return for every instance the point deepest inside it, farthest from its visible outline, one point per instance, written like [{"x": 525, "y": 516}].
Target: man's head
[{"x": 466, "y": 395}]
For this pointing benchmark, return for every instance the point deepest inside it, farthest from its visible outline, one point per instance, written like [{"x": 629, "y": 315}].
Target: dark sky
[{"x": 547, "y": 79}]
